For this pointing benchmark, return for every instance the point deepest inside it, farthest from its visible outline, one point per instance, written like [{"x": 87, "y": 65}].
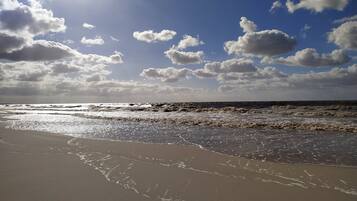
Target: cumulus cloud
[
  {"x": 225, "y": 88},
  {"x": 23, "y": 71},
  {"x": 262, "y": 78},
  {"x": 83, "y": 64},
  {"x": 88, "y": 26},
  {"x": 32, "y": 67},
  {"x": 261, "y": 43},
  {"x": 78, "y": 69},
  {"x": 150, "y": 36},
  {"x": 9, "y": 43},
  {"x": 33, "y": 76},
  {"x": 177, "y": 56},
  {"x": 117, "y": 57},
  {"x": 316, "y": 6},
  {"x": 250, "y": 77},
  {"x": 98, "y": 40},
  {"x": 213, "y": 69},
  {"x": 95, "y": 59},
  {"x": 39, "y": 50},
  {"x": 66, "y": 87},
  {"x": 202, "y": 73},
  {"x": 95, "y": 78},
  {"x": 169, "y": 74},
  {"x": 311, "y": 58},
  {"x": 270, "y": 77},
  {"x": 20, "y": 23},
  {"x": 275, "y": 5},
  {"x": 209, "y": 70},
  {"x": 61, "y": 68},
  {"x": 39, "y": 67},
  {"x": 333, "y": 78},
  {"x": 345, "y": 36},
  {"x": 345, "y": 19},
  {"x": 180, "y": 57},
  {"x": 29, "y": 19},
  {"x": 247, "y": 25},
  {"x": 189, "y": 41},
  {"x": 237, "y": 65}
]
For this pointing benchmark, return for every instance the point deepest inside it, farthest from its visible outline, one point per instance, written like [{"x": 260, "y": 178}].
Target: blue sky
[{"x": 212, "y": 22}]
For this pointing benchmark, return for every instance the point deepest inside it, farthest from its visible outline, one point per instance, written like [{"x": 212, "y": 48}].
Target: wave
[{"x": 321, "y": 116}]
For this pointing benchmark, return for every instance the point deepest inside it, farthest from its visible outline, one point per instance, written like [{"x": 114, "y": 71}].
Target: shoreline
[
  {"x": 189, "y": 145},
  {"x": 275, "y": 145},
  {"x": 140, "y": 171}
]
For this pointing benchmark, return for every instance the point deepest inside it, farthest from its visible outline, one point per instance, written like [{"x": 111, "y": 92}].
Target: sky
[{"x": 177, "y": 50}]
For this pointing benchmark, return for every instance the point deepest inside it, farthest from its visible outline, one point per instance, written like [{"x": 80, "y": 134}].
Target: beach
[
  {"x": 43, "y": 166},
  {"x": 138, "y": 100}
]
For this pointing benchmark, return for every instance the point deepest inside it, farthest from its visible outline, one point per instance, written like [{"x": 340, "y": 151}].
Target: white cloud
[
  {"x": 150, "y": 36},
  {"x": 247, "y": 25},
  {"x": 94, "y": 59},
  {"x": 117, "y": 57},
  {"x": 250, "y": 78},
  {"x": 345, "y": 19},
  {"x": 9, "y": 43},
  {"x": 98, "y": 40},
  {"x": 228, "y": 66},
  {"x": 20, "y": 22},
  {"x": 345, "y": 36},
  {"x": 275, "y": 5},
  {"x": 271, "y": 78},
  {"x": 31, "y": 19},
  {"x": 114, "y": 39},
  {"x": 310, "y": 57},
  {"x": 306, "y": 27},
  {"x": 88, "y": 85},
  {"x": 68, "y": 41},
  {"x": 180, "y": 57},
  {"x": 169, "y": 74},
  {"x": 304, "y": 30},
  {"x": 96, "y": 78},
  {"x": 202, "y": 73},
  {"x": 34, "y": 67},
  {"x": 261, "y": 43},
  {"x": 189, "y": 41},
  {"x": 88, "y": 26},
  {"x": 333, "y": 78},
  {"x": 209, "y": 70},
  {"x": 61, "y": 68},
  {"x": 177, "y": 56},
  {"x": 40, "y": 67},
  {"x": 23, "y": 71},
  {"x": 238, "y": 65},
  {"x": 83, "y": 64},
  {"x": 316, "y": 5},
  {"x": 39, "y": 50},
  {"x": 34, "y": 76}
]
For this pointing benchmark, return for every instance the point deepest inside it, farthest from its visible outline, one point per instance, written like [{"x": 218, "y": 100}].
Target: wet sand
[{"x": 42, "y": 166}]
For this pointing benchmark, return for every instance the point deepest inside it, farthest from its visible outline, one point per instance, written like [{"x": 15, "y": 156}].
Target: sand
[{"x": 43, "y": 166}]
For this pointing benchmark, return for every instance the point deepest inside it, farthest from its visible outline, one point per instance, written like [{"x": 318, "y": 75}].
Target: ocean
[{"x": 312, "y": 132}]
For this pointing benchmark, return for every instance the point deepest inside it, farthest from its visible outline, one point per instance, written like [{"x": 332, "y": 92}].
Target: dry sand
[{"x": 41, "y": 166}]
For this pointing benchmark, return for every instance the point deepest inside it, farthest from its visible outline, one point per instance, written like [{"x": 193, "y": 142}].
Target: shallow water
[
  {"x": 339, "y": 118},
  {"x": 288, "y": 146}
]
